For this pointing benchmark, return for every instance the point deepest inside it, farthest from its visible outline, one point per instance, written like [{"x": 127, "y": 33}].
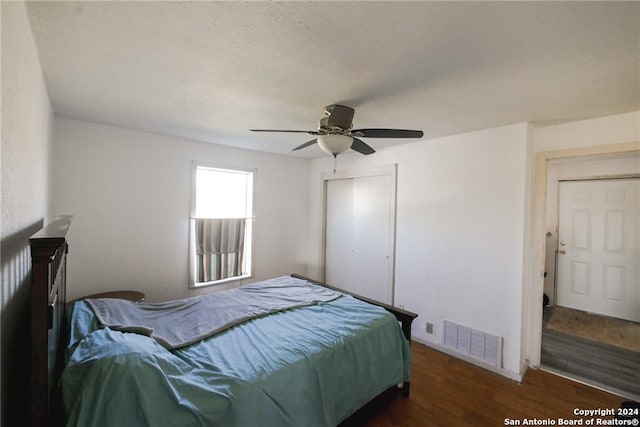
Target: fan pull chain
[{"x": 335, "y": 163}]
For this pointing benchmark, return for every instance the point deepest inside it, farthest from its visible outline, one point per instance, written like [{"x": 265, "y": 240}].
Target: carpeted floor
[{"x": 620, "y": 333}]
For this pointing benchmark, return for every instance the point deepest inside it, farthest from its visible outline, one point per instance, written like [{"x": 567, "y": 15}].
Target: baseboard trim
[{"x": 503, "y": 372}]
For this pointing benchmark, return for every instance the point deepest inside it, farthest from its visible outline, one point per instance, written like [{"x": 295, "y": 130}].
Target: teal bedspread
[{"x": 308, "y": 366}]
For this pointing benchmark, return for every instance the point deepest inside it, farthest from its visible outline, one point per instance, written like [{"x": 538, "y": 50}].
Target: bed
[{"x": 313, "y": 364}]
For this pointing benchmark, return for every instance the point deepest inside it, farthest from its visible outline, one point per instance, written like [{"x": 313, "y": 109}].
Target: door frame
[
  {"x": 390, "y": 171},
  {"x": 535, "y": 250}
]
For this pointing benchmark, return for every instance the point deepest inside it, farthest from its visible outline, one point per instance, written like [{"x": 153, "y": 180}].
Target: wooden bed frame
[{"x": 49, "y": 249}]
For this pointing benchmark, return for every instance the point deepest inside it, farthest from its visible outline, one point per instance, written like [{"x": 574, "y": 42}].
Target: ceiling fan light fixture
[
  {"x": 334, "y": 143},
  {"x": 336, "y": 135}
]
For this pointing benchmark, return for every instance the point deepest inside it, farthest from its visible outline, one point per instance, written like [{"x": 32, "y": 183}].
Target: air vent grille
[{"x": 474, "y": 343}]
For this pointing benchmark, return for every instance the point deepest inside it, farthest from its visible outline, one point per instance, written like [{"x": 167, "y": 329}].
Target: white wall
[
  {"x": 129, "y": 192},
  {"x": 585, "y": 133},
  {"x": 26, "y": 119},
  {"x": 460, "y": 226}
]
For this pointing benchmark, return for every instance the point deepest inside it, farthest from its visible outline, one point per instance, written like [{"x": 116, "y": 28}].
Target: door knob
[{"x": 562, "y": 251}]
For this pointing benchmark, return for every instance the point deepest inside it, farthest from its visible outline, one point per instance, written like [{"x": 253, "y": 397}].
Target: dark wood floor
[
  {"x": 446, "y": 391},
  {"x": 606, "y": 366}
]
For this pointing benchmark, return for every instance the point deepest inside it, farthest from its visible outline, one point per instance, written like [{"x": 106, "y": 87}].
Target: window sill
[{"x": 221, "y": 282}]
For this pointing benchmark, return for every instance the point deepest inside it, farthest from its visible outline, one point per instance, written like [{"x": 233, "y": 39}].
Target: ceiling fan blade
[
  {"x": 310, "y": 132},
  {"x": 305, "y": 145},
  {"x": 387, "y": 133},
  {"x": 361, "y": 147},
  {"x": 340, "y": 116}
]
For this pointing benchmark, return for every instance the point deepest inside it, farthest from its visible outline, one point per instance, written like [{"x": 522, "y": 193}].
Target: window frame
[{"x": 249, "y": 232}]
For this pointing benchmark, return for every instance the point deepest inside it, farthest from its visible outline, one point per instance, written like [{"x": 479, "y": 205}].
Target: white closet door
[
  {"x": 599, "y": 239},
  {"x": 360, "y": 215}
]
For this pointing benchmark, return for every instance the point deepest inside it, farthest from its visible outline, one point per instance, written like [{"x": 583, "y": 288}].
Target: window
[{"x": 221, "y": 224}]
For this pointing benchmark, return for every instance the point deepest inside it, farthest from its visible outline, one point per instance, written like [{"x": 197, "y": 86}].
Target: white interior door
[
  {"x": 598, "y": 242},
  {"x": 359, "y": 235}
]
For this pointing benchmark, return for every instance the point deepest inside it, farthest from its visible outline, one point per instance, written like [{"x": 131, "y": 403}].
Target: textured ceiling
[{"x": 213, "y": 70}]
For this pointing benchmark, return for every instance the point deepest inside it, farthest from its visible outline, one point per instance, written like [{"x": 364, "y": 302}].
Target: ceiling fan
[{"x": 335, "y": 134}]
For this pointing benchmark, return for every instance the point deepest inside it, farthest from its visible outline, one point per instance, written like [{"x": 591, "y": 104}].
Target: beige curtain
[{"x": 219, "y": 248}]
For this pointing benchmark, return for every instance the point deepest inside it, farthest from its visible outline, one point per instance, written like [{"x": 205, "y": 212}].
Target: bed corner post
[{"x": 48, "y": 302}]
